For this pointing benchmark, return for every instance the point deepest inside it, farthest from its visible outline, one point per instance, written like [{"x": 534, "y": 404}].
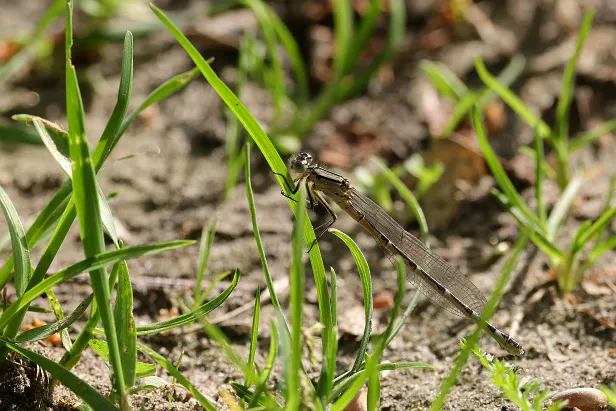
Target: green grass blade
[
  {"x": 171, "y": 369},
  {"x": 408, "y": 196},
  {"x": 540, "y": 240},
  {"x": 40, "y": 333},
  {"x": 278, "y": 81},
  {"x": 294, "y": 366},
  {"x": 254, "y": 335},
  {"x": 101, "y": 348},
  {"x": 65, "y": 163},
  {"x": 506, "y": 77},
  {"x": 125, "y": 324},
  {"x": 512, "y": 100},
  {"x": 343, "y": 33},
  {"x": 344, "y": 381},
  {"x": 112, "y": 133},
  {"x": 59, "y": 313},
  {"x": 205, "y": 246},
  {"x": 86, "y": 265},
  {"x": 366, "y": 283},
  {"x": 601, "y": 249},
  {"x": 295, "y": 56},
  {"x": 499, "y": 173},
  {"x": 363, "y": 33},
  {"x": 443, "y": 79},
  {"x": 88, "y": 210},
  {"x": 84, "y": 391},
  {"x": 559, "y": 213},
  {"x": 255, "y": 229},
  {"x": 591, "y": 135},
  {"x": 19, "y": 244},
  {"x": 328, "y": 369},
  {"x": 564, "y": 100},
  {"x": 487, "y": 313},
  {"x": 539, "y": 161},
  {"x": 597, "y": 227},
  {"x": 192, "y": 316},
  {"x": 58, "y": 136},
  {"x": 260, "y": 387}
]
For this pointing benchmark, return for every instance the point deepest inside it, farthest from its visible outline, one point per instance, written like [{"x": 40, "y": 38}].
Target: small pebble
[{"x": 585, "y": 399}]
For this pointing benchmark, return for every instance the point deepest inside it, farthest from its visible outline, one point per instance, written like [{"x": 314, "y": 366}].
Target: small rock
[{"x": 585, "y": 399}]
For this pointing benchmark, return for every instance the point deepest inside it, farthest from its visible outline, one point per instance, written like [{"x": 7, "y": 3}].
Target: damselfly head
[{"x": 300, "y": 162}]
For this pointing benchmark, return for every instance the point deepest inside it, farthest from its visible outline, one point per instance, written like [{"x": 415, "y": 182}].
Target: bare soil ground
[{"x": 174, "y": 184}]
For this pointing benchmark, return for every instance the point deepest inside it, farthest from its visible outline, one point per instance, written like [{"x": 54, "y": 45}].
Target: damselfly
[{"x": 432, "y": 275}]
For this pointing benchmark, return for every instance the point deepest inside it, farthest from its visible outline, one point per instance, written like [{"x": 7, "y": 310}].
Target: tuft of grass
[
  {"x": 526, "y": 394},
  {"x": 81, "y": 198},
  {"x": 589, "y": 243},
  {"x": 294, "y": 114},
  {"x": 558, "y": 135}
]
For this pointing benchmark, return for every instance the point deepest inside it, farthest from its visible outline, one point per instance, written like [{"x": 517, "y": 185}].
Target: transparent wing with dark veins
[{"x": 439, "y": 269}]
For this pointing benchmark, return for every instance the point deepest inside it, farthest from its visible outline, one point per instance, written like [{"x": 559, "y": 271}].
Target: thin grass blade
[
  {"x": 125, "y": 324},
  {"x": 512, "y": 100},
  {"x": 40, "y": 333},
  {"x": 19, "y": 244},
  {"x": 366, "y": 283}
]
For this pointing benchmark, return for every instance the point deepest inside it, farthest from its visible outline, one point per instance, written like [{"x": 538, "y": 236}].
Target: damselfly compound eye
[{"x": 300, "y": 162}]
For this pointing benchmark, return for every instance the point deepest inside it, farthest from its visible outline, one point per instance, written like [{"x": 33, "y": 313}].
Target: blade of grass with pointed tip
[
  {"x": 21, "y": 255},
  {"x": 19, "y": 243},
  {"x": 87, "y": 206},
  {"x": 366, "y": 282},
  {"x": 40, "y": 333},
  {"x": 84, "y": 391},
  {"x": 191, "y": 316},
  {"x": 294, "y": 366}
]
